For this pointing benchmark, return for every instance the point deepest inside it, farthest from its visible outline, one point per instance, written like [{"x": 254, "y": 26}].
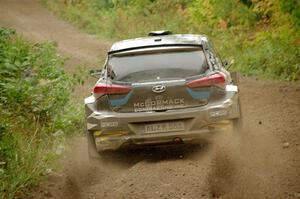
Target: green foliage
[
  {"x": 34, "y": 107},
  {"x": 261, "y": 36},
  {"x": 266, "y": 54},
  {"x": 212, "y": 12},
  {"x": 293, "y": 8}
]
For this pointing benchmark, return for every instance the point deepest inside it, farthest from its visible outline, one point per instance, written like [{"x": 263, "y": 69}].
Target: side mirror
[
  {"x": 227, "y": 64},
  {"x": 95, "y": 73}
]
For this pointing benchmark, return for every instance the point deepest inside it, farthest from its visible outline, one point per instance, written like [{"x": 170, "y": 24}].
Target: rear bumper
[
  {"x": 104, "y": 143},
  {"x": 111, "y": 130}
]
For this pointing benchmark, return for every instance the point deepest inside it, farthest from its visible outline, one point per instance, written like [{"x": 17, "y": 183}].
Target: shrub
[
  {"x": 34, "y": 100},
  {"x": 293, "y": 8}
]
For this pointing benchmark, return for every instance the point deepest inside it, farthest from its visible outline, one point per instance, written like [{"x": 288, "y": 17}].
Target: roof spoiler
[
  {"x": 159, "y": 33},
  {"x": 153, "y": 46}
]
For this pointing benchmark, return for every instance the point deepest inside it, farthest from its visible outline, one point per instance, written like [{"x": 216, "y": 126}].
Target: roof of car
[{"x": 162, "y": 40}]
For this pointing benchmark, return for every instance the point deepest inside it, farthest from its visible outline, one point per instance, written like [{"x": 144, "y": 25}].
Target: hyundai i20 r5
[{"x": 158, "y": 90}]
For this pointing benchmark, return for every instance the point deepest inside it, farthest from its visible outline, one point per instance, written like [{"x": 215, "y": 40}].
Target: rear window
[{"x": 154, "y": 66}]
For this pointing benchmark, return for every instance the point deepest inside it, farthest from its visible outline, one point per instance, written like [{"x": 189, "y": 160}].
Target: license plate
[{"x": 164, "y": 127}]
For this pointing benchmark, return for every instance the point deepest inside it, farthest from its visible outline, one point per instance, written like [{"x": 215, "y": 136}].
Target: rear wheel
[
  {"x": 237, "y": 125},
  {"x": 92, "y": 151},
  {"x": 237, "y": 122}
]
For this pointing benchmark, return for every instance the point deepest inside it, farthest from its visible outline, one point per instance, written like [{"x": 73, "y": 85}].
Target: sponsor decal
[
  {"x": 158, "y": 103},
  {"x": 218, "y": 113},
  {"x": 109, "y": 124},
  {"x": 231, "y": 88}
]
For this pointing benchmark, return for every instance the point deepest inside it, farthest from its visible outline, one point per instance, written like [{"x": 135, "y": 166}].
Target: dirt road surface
[{"x": 262, "y": 161}]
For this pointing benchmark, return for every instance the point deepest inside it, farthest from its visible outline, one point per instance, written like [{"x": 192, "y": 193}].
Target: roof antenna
[{"x": 159, "y": 33}]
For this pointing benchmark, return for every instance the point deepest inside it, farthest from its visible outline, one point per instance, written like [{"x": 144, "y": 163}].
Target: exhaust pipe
[{"x": 177, "y": 140}]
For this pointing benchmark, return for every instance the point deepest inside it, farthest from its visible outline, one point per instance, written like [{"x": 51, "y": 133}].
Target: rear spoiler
[{"x": 153, "y": 46}]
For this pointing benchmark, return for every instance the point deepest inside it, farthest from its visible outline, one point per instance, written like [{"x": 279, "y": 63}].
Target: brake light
[
  {"x": 212, "y": 80},
  {"x": 110, "y": 89}
]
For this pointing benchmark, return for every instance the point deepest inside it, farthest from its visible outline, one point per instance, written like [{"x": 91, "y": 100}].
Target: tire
[
  {"x": 92, "y": 151},
  {"x": 237, "y": 126},
  {"x": 237, "y": 123}
]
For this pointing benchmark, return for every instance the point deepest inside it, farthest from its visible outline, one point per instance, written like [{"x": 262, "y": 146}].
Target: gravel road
[{"x": 262, "y": 161}]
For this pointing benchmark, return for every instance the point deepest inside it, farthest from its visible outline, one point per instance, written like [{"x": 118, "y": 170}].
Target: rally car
[{"x": 161, "y": 89}]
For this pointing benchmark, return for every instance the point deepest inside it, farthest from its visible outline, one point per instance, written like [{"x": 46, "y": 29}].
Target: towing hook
[{"x": 177, "y": 140}]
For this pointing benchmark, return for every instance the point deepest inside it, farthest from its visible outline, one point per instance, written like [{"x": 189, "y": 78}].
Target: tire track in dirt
[{"x": 262, "y": 161}]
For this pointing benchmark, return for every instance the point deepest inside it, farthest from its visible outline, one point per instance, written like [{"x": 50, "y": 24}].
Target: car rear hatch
[
  {"x": 165, "y": 95},
  {"x": 157, "y": 80},
  {"x": 159, "y": 96}
]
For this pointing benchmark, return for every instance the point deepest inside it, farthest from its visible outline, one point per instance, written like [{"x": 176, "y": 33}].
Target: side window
[
  {"x": 109, "y": 72},
  {"x": 104, "y": 70},
  {"x": 214, "y": 55}
]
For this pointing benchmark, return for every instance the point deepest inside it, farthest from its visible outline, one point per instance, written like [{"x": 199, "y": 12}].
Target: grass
[
  {"x": 261, "y": 38},
  {"x": 36, "y": 113}
]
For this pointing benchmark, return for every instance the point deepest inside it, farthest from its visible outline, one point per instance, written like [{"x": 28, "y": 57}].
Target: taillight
[
  {"x": 212, "y": 80},
  {"x": 110, "y": 89}
]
